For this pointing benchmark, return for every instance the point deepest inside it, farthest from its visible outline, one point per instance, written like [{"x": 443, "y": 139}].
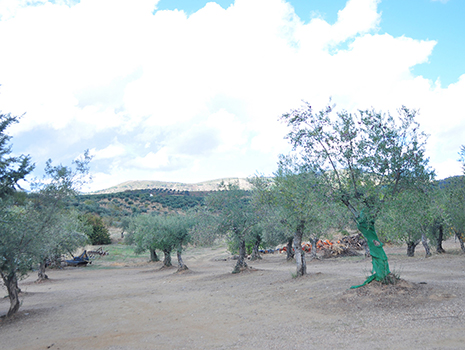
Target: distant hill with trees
[
  {"x": 144, "y": 197},
  {"x": 211, "y": 185}
]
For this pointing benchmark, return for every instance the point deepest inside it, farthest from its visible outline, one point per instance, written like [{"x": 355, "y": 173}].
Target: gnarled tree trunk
[
  {"x": 255, "y": 251},
  {"x": 313, "y": 251},
  {"x": 289, "y": 251},
  {"x": 11, "y": 284},
  {"x": 153, "y": 255},
  {"x": 299, "y": 253},
  {"x": 460, "y": 236},
  {"x": 41, "y": 273},
  {"x": 181, "y": 265},
  {"x": 411, "y": 248},
  {"x": 440, "y": 239},
  {"x": 241, "y": 264},
  {"x": 424, "y": 241},
  {"x": 167, "y": 259}
]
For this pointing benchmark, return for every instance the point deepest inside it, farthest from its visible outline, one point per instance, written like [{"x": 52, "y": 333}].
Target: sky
[{"x": 191, "y": 90}]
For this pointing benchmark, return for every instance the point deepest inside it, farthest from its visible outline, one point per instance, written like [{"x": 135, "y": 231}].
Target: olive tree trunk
[
  {"x": 366, "y": 248},
  {"x": 181, "y": 265},
  {"x": 241, "y": 264},
  {"x": 153, "y": 255},
  {"x": 289, "y": 251},
  {"x": 424, "y": 241},
  {"x": 440, "y": 239},
  {"x": 167, "y": 259},
  {"x": 460, "y": 237},
  {"x": 313, "y": 251},
  {"x": 255, "y": 251},
  {"x": 11, "y": 284},
  {"x": 299, "y": 253},
  {"x": 41, "y": 273},
  {"x": 411, "y": 248}
]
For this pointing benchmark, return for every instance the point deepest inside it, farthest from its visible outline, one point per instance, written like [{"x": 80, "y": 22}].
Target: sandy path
[{"x": 207, "y": 307}]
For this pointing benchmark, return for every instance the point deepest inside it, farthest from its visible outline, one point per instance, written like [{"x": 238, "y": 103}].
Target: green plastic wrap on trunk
[{"x": 379, "y": 259}]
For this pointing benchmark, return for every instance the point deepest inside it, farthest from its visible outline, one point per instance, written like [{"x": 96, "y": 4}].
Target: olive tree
[
  {"x": 61, "y": 229},
  {"x": 303, "y": 206},
  {"x": 140, "y": 235},
  {"x": 409, "y": 219},
  {"x": 236, "y": 216},
  {"x": 32, "y": 227},
  {"x": 12, "y": 168},
  {"x": 16, "y": 253},
  {"x": 162, "y": 232},
  {"x": 204, "y": 231},
  {"x": 275, "y": 230},
  {"x": 365, "y": 159},
  {"x": 176, "y": 229},
  {"x": 453, "y": 201}
]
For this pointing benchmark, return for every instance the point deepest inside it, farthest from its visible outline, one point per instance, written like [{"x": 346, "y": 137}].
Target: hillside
[
  {"x": 138, "y": 197},
  {"x": 211, "y": 185}
]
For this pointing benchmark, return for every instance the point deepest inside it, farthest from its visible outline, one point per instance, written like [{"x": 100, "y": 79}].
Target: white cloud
[
  {"x": 202, "y": 93},
  {"x": 357, "y": 17},
  {"x": 111, "y": 151},
  {"x": 152, "y": 160}
]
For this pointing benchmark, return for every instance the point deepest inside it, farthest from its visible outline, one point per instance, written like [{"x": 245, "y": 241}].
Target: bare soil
[{"x": 135, "y": 304}]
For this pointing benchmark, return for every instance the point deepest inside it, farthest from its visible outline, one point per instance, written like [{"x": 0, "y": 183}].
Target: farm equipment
[
  {"x": 97, "y": 253},
  {"x": 81, "y": 260},
  {"x": 86, "y": 257}
]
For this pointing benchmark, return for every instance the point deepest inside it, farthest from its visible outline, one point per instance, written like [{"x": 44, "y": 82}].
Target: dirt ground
[{"x": 137, "y": 305}]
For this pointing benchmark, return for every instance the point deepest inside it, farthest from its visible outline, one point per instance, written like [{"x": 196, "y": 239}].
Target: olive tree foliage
[
  {"x": 255, "y": 240},
  {"x": 63, "y": 233},
  {"x": 453, "y": 201},
  {"x": 12, "y": 168},
  {"x": 124, "y": 225},
  {"x": 235, "y": 217},
  {"x": 205, "y": 229},
  {"x": 62, "y": 230},
  {"x": 304, "y": 206},
  {"x": 140, "y": 235},
  {"x": 456, "y": 205},
  {"x": 161, "y": 232},
  {"x": 450, "y": 200},
  {"x": 178, "y": 228},
  {"x": 365, "y": 159},
  {"x": 439, "y": 230},
  {"x": 275, "y": 230},
  {"x": 409, "y": 218},
  {"x": 17, "y": 251},
  {"x": 35, "y": 227}
]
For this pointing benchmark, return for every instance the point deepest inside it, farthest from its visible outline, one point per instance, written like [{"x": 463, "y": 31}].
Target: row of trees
[
  {"x": 346, "y": 171},
  {"x": 113, "y": 206},
  {"x": 372, "y": 164},
  {"x": 161, "y": 232}
]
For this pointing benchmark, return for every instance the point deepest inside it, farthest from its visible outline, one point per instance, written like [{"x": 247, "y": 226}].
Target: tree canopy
[
  {"x": 365, "y": 159},
  {"x": 236, "y": 216},
  {"x": 34, "y": 227}
]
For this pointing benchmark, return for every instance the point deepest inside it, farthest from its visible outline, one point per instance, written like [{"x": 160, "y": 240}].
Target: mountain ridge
[{"x": 210, "y": 185}]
